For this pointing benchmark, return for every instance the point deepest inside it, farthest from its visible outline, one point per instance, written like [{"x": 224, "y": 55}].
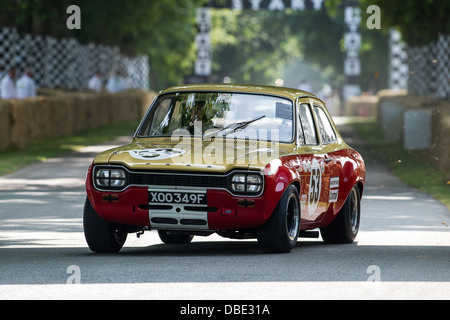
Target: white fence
[{"x": 66, "y": 63}]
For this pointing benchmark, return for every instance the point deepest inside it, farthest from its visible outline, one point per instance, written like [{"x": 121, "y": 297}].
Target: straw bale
[
  {"x": 58, "y": 119},
  {"x": 146, "y": 100},
  {"x": 441, "y": 138},
  {"x": 5, "y": 124},
  {"x": 26, "y": 124},
  {"x": 363, "y": 106},
  {"x": 84, "y": 112},
  {"x": 60, "y": 113}
]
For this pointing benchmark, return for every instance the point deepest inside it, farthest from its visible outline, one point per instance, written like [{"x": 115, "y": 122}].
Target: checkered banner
[
  {"x": 424, "y": 71},
  {"x": 429, "y": 68},
  {"x": 67, "y": 64},
  {"x": 398, "y": 65}
]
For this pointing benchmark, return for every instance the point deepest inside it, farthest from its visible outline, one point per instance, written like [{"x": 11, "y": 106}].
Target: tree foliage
[
  {"x": 256, "y": 47},
  {"x": 419, "y": 21},
  {"x": 248, "y": 46},
  {"x": 163, "y": 29}
]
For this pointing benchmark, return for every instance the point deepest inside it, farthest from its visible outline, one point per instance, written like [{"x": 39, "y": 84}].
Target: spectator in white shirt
[
  {"x": 7, "y": 87},
  {"x": 95, "y": 83},
  {"x": 1, "y": 74},
  {"x": 25, "y": 86},
  {"x": 116, "y": 83}
]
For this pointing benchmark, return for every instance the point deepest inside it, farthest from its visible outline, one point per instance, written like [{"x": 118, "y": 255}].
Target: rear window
[
  {"x": 326, "y": 129},
  {"x": 309, "y": 129}
]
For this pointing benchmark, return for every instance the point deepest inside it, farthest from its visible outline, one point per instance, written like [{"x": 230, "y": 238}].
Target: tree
[
  {"x": 255, "y": 47},
  {"x": 420, "y": 21},
  {"x": 163, "y": 29},
  {"x": 258, "y": 46},
  {"x": 250, "y": 46}
]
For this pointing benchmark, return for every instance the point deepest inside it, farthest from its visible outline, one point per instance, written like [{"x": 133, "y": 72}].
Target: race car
[{"x": 240, "y": 161}]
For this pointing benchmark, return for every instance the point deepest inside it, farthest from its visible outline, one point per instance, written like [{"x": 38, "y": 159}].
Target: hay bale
[
  {"x": 5, "y": 124},
  {"x": 361, "y": 106},
  {"x": 26, "y": 123},
  {"x": 85, "y": 110},
  {"x": 60, "y": 113},
  {"x": 441, "y": 138},
  {"x": 59, "y": 116},
  {"x": 147, "y": 101},
  {"x": 387, "y": 99},
  {"x": 125, "y": 105}
]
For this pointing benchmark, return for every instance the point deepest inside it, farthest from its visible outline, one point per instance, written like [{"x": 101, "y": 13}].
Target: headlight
[
  {"x": 114, "y": 178},
  {"x": 246, "y": 183}
]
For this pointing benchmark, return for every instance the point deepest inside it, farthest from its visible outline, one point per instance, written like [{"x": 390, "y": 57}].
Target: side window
[
  {"x": 326, "y": 129},
  {"x": 307, "y": 121}
]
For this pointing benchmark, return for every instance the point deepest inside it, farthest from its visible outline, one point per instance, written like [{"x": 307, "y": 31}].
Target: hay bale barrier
[
  {"x": 432, "y": 123},
  {"x": 5, "y": 124},
  {"x": 441, "y": 142},
  {"x": 361, "y": 106},
  {"x": 61, "y": 113}
]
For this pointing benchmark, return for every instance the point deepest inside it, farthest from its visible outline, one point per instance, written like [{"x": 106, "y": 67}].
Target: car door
[
  {"x": 332, "y": 156},
  {"x": 313, "y": 200}
]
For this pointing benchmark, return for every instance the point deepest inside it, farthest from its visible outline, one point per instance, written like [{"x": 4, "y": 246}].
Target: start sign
[
  {"x": 203, "y": 64},
  {"x": 269, "y": 4}
]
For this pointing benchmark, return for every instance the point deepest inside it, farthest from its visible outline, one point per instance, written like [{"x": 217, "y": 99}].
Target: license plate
[{"x": 177, "y": 197}]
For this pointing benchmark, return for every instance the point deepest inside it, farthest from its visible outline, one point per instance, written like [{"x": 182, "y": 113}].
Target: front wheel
[
  {"x": 345, "y": 227},
  {"x": 280, "y": 233},
  {"x": 101, "y": 236}
]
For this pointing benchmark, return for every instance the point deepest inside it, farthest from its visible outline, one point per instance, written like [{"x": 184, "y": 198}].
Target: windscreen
[{"x": 222, "y": 115}]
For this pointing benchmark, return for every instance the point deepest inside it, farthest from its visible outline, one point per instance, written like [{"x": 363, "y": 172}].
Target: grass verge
[
  {"x": 13, "y": 159},
  {"x": 413, "y": 167}
]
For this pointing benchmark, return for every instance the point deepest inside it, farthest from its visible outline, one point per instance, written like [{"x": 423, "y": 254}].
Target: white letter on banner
[
  {"x": 237, "y": 5},
  {"x": 256, "y": 4},
  {"x": 298, "y": 5},
  {"x": 276, "y": 5},
  {"x": 317, "y": 4}
]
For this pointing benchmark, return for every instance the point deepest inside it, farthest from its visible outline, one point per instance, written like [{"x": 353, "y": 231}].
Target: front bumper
[{"x": 223, "y": 211}]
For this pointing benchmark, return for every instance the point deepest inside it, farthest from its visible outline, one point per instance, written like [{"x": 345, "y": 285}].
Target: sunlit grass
[{"x": 413, "y": 167}]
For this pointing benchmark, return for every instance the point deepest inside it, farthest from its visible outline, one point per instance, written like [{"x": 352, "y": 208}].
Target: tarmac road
[{"x": 402, "y": 250}]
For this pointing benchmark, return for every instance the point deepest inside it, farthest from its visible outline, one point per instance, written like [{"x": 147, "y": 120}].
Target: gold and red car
[{"x": 240, "y": 161}]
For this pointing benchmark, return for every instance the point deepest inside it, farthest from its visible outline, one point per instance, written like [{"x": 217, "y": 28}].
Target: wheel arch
[
  {"x": 297, "y": 184},
  {"x": 360, "y": 186}
]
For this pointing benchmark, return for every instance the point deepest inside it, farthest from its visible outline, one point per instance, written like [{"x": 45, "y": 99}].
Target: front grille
[
  {"x": 178, "y": 180},
  {"x": 175, "y": 180}
]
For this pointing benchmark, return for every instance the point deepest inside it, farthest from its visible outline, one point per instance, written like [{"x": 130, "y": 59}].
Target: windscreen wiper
[{"x": 236, "y": 126}]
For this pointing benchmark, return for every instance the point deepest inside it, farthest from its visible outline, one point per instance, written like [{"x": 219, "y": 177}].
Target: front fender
[{"x": 279, "y": 175}]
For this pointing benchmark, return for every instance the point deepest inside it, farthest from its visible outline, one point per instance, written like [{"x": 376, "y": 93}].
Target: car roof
[{"x": 289, "y": 93}]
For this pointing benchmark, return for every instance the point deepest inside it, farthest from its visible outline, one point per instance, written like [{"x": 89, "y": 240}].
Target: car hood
[{"x": 219, "y": 155}]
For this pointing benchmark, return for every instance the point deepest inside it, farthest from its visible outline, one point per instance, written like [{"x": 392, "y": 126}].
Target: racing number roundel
[
  {"x": 156, "y": 154},
  {"x": 315, "y": 187}
]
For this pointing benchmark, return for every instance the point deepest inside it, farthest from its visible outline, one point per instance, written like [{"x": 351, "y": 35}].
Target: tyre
[
  {"x": 173, "y": 238},
  {"x": 345, "y": 226},
  {"x": 280, "y": 233},
  {"x": 101, "y": 236}
]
